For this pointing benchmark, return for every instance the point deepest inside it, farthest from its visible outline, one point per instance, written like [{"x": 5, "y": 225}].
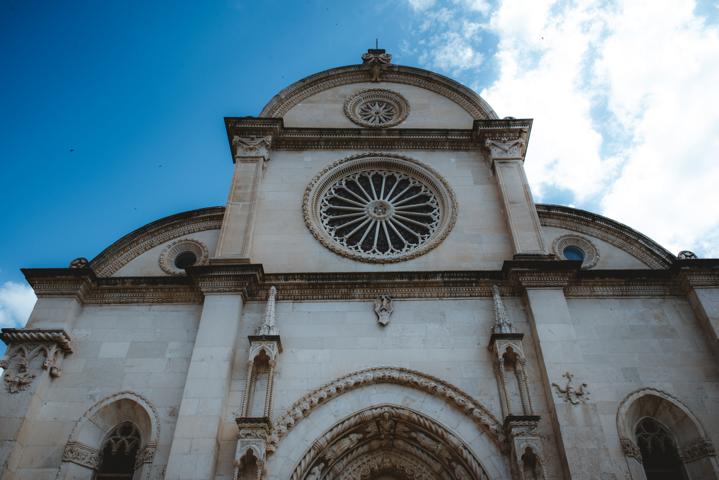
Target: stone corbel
[
  {"x": 252, "y": 148},
  {"x": 26, "y": 347}
]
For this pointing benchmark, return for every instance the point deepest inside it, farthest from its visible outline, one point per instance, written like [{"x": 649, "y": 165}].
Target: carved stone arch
[
  {"x": 83, "y": 448},
  {"x": 388, "y": 438},
  {"x": 694, "y": 446},
  {"x": 389, "y": 375}
]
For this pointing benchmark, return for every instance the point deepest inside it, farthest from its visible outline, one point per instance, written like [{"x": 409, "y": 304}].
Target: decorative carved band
[
  {"x": 400, "y": 376},
  {"x": 696, "y": 450},
  {"x": 16, "y": 336},
  {"x": 81, "y": 454}
]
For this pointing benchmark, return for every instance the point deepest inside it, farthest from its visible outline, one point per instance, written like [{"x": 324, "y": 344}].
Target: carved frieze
[
  {"x": 29, "y": 352},
  {"x": 696, "y": 450},
  {"x": 251, "y": 147},
  {"x": 505, "y": 149},
  {"x": 81, "y": 454}
]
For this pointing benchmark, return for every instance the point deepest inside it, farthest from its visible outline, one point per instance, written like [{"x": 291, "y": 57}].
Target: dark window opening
[
  {"x": 119, "y": 453},
  {"x": 659, "y": 451},
  {"x": 185, "y": 259}
]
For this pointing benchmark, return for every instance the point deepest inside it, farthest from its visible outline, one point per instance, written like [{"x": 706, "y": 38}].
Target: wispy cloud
[
  {"x": 621, "y": 94},
  {"x": 16, "y": 303}
]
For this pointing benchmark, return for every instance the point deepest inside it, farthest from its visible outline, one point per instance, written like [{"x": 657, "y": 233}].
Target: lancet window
[{"x": 119, "y": 453}]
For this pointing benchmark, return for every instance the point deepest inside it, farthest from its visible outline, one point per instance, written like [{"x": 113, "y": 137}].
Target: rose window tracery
[
  {"x": 379, "y": 209},
  {"x": 376, "y": 108}
]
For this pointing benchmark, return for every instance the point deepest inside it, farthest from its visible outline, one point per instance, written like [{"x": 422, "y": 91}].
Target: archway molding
[
  {"x": 388, "y": 438},
  {"x": 388, "y": 375},
  {"x": 82, "y": 457},
  {"x": 694, "y": 446}
]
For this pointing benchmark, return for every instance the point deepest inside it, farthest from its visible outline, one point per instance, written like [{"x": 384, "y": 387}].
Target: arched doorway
[{"x": 388, "y": 442}]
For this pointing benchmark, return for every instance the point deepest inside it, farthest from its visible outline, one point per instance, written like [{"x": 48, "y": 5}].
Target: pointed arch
[
  {"x": 87, "y": 438},
  {"x": 694, "y": 446},
  {"x": 388, "y": 438}
]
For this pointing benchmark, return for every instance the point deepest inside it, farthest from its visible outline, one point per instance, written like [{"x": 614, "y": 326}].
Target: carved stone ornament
[
  {"x": 399, "y": 376},
  {"x": 383, "y": 309},
  {"x": 696, "y": 450},
  {"x": 252, "y": 438},
  {"x": 169, "y": 258},
  {"x": 505, "y": 149},
  {"x": 81, "y": 454},
  {"x": 687, "y": 255},
  {"x": 80, "y": 262},
  {"x": 29, "y": 352},
  {"x": 269, "y": 327},
  {"x": 571, "y": 394},
  {"x": 501, "y": 319},
  {"x": 376, "y": 59},
  {"x": 379, "y": 208},
  {"x": 145, "y": 455},
  {"x": 252, "y": 147},
  {"x": 630, "y": 449},
  {"x": 591, "y": 254},
  {"x": 388, "y": 438},
  {"x": 376, "y": 108}
]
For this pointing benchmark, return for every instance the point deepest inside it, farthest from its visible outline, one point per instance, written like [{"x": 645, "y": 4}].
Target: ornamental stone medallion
[
  {"x": 376, "y": 108},
  {"x": 379, "y": 208}
]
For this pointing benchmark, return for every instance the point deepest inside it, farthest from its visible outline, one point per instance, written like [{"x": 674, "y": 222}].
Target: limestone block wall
[
  {"x": 282, "y": 243},
  {"x": 323, "y": 341},
  {"x": 628, "y": 344},
  {"x": 140, "y": 349}
]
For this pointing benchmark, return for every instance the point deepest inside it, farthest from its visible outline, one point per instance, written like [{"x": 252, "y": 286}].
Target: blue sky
[{"x": 112, "y": 111}]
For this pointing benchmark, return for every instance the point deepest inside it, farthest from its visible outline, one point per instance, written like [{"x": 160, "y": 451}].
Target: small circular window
[
  {"x": 181, "y": 254},
  {"x": 379, "y": 208},
  {"x": 376, "y": 108},
  {"x": 574, "y": 247}
]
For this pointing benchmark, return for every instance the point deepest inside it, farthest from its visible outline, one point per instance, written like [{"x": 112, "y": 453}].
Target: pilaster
[
  {"x": 195, "y": 444},
  {"x": 700, "y": 281},
  {"x": 576, "y": 420},
  {"x": 506, "y": 144},
  {"x": 250, "y": 156}
]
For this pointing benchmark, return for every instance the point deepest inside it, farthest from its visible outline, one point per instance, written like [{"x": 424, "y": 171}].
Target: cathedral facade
[{"x": 379, "y": 299}]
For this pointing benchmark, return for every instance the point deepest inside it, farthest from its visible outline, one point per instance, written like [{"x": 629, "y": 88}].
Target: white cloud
[
  {"x": 421, "y": 4},
  {"x": 16, "y": 303},
  {"x": 622, "y": 93}
]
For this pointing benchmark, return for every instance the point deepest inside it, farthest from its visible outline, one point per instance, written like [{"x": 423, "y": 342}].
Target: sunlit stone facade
[{"x": 379, "y": 299}]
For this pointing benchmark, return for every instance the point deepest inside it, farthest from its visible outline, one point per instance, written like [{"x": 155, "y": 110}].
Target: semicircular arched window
[
  {"x": 119, "y": 453},
  {"x": 660, "y": 457}
]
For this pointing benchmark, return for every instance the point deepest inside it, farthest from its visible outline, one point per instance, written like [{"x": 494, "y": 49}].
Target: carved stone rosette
[{"x": 29, "y": 352}]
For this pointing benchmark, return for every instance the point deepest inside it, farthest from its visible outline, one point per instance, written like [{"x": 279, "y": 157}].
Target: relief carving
[
  {"x": 81, "y": 454},
  {"x": 571, "y": 394},
  {"x": 29, "y": 352},
  {"x": 383, "y": 308},
  {"x": 505, "y": 149}
]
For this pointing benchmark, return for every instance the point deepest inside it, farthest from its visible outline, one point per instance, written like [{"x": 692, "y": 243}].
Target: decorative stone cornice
[
  {"x": 227, "y": 277},
  {"x": 288, "y": 138},
  {"x": 250, "y": 281},
  {"x": 698, "y": 274}
]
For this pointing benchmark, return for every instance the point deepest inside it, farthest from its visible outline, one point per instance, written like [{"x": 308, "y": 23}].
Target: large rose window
[{"x": 379, "y": 208}]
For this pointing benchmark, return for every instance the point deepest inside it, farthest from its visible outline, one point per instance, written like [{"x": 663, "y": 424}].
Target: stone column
[
  {"x": 34, "y": 359},
  {"x": 701, "y": 282},
  {"x": 506, "y": 141},
  {"x": 235, "y": 239},
  {"x": 193, "y": 453},
  {"x": 576, "y": 421}
]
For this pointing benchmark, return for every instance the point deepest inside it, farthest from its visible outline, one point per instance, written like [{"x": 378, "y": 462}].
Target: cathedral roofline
[{"x": 290, "y": 96}]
